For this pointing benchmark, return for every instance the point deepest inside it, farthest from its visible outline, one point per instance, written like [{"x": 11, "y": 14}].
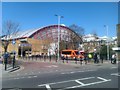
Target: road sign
[{"x": 13, "y": 42}]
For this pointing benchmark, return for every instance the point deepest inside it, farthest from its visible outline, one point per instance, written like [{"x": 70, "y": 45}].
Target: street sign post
[{"x": 13, "y": 42}]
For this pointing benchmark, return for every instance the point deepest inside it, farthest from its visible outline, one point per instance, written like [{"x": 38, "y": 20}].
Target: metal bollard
[
  {"x": 66, "y": 59},
  {"x": 75, "y": 60},
  {"x": 80, "y": 60},
  {"x": 50, "y": 58},
  {"x": 63, "y": 60}
]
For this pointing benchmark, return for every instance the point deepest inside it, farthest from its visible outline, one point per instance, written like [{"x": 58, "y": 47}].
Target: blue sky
[{"x": 89, "y": 15}]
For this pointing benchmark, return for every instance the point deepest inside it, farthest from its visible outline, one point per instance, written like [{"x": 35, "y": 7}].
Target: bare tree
[
  {"x": 74, "y": 41},
  {"x": 79, "y": 30},
  {"x": 9, "y": 29}
]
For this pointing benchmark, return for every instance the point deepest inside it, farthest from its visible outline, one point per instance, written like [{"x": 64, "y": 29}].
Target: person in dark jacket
[
  {"x": 85, "y": 57},
  {"x": 14, "y": 60},
  {"x": 6, "y": 55},
  {"x": 95, "y": 57}
]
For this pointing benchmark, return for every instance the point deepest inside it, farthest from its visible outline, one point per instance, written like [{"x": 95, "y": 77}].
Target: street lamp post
[
  {"x": 107, "y": 42},
  {"x": 59, "y": 17}
]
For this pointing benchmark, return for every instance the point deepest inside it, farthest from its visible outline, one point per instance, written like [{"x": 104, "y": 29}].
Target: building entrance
[{"x": 24, "y": 50}]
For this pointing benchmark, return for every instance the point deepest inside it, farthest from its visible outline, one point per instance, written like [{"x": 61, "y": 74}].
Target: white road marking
[
  {"x": 78, "y": 71},
  {"x": 51, "y": 66},
  {"x": 84, "y": 85},
  {"x": 34, "y": 76},
  {"x": 102, "y": 79},
  {"x": 79, "y": 82},
  {"x": 76, "y": 80},
  {"x": 65, "y": 81},
  {"x": 72, "y": 72},
  {"x": 54, "y": 65},
  {"x": 48, "y": 87},
  {"x": 115, "y": 74},
  {"x": 90, "y": 70},
  {"x": 113, "y": 67},
  {"x": 62, "y": 73},
  {"x": 39, "y": 72},
  {"x": 29, "y": 77}
]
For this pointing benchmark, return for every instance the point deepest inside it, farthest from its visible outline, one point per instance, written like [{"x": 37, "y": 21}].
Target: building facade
[{"x": 41, "y": 41}]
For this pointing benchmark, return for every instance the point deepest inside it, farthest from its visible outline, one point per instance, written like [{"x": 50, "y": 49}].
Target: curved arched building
[{"x": 44, "y": 40}]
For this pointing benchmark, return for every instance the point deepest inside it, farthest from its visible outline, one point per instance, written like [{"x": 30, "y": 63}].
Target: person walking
[
  {"x": 95, "y": 57},
  {"x": 85, "y": 57},
  {"x": 14, "y": 61},
  {"x": 98, "y": 58},
  {"x": 113, "y": 60},
  {"x": 113, "y": 56}
]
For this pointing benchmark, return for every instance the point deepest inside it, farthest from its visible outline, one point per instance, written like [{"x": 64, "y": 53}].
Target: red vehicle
[{"x": 71, "y": 54}]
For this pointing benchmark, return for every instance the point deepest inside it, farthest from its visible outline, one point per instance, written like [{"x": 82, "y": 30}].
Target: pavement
[
  {"x": 70, "y": 62},
  {"x": 59, "y": 61},
  {"x": 19, "y": 65},
  {"x": 10, "y": 68}
]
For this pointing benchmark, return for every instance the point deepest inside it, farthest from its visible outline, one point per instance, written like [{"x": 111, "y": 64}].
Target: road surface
[{"x": 60, "y": 76}]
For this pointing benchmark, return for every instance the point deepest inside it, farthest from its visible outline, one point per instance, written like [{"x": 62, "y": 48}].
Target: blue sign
[
  {"x": 13, "y": 42},
  {"x": 25, "y": 45}
]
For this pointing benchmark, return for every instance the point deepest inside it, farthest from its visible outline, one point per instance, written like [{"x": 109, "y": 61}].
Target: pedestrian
[
  {"x": 113, "y": 56},
  {"x": 98, "y": 58},
  {"x": 76, "y": 60},
  {"x": 89, "y": 57},
  {"x": 101, "y": 58},
  {"x": 95, "y": 57},
  {"x": 81, "y": 59},
  {"x": 85, "y": 57},
  {"x": 6, "y": 60},
  {"x": 66, "y": 59},
  {"x": 14, "y": 60},
  {"x": 113, "y": 60}
]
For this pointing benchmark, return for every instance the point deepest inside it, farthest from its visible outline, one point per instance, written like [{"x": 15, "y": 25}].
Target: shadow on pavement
[{"x": 14, "y": 69}]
